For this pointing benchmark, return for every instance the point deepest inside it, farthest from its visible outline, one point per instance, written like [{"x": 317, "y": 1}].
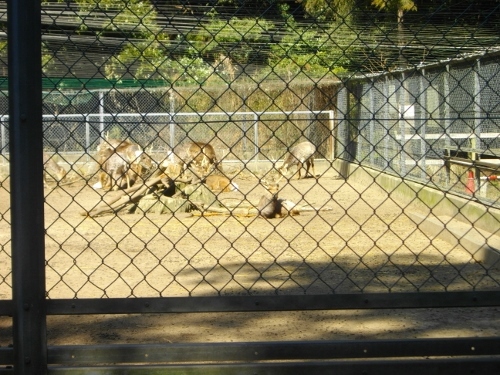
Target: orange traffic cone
[{"x": 470, "y": 188}]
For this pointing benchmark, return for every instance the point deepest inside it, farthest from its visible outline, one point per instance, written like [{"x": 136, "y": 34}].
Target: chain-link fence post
[{"x": 27, "y": 198}]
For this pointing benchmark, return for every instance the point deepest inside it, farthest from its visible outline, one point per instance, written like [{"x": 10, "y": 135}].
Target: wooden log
[{"x": 130, "y": 195}]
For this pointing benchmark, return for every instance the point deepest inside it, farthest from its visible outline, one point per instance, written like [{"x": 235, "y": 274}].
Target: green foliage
[
  {"x": 143, "y": 60},
  {"x": 47, "y": 60},
  {"x": 135, "y": 15},
  {"x": 311, "y": 52},
  {"x": 144, "y": 55},
  {"x": 115, "y": 132},
  {"x": 395, "y": 5},
  {"x": 46, "y": 55},
  {"x": 3, "y": 49},
  {"x": 324, "y": 10},
  {"x": 235, "y": 38},
  {"x": 215, "y": 51}
]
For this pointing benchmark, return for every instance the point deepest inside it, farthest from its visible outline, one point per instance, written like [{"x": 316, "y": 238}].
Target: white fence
[{"x": 238, "y": 135}]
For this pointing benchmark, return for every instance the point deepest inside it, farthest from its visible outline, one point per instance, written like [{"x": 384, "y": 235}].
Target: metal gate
[{"x": 387, "y": 243}]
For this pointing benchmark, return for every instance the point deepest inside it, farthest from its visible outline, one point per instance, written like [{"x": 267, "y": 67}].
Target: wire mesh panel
[{"x": 247, "y": 157}]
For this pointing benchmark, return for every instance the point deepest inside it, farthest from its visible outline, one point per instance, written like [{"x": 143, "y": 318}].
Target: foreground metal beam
[
  {"x": 371, "y": 367},
  {"x": 272, "y": 303},
  {"x": 26, "y": 180},
  {"x": 462, "y": 355},
  {"x": 75, "y": 355}
]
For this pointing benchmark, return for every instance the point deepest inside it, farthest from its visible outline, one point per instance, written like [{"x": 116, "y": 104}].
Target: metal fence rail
[{"x": 238, "y": 135}]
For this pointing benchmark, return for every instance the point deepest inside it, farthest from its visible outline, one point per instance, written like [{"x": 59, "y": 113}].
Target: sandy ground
[{"x": 358, "y": 239}]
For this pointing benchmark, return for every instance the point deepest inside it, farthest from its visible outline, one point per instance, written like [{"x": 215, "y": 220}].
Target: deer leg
[
  {"x": 106, "y": 181},
  {"x": 308, "y": 165},
  {"x": 312, "y": 167},
  {"x": 299, "y": 167}
]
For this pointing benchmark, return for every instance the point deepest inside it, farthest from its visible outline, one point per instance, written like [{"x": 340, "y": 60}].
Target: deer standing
[
  {"x": 121, "y": 162},
  {"x": 198, "y": 157},
  {"x": 300, "y": 154},
  {"x": 51, "y": 167}
]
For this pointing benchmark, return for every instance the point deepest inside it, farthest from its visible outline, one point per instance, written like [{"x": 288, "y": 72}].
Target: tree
[
  {"x": 142, "y": 55},
  {"x": 339, "y": 10},
  {"x": 399, "y": 6}
]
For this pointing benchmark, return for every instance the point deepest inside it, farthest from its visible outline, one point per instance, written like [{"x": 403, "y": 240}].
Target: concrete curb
[{"x": 483, "y": 246}]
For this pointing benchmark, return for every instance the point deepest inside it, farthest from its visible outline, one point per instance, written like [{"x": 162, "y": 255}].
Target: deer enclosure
[
  {"x": 320, "y": 251},
  {"x": 189, "y": 254}
]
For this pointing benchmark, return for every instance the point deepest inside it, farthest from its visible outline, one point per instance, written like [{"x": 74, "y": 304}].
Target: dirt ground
[{"x": 356, "y": 239}]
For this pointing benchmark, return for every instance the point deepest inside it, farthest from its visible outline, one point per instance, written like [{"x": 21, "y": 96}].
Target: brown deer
[
  {"x": 218, "y": 183},
  {"x": 51, "y": 167},
  {"x": 197, "y": 157},
  {"x": 300, "y": 154},
  {"x": 121, "y": 163}
]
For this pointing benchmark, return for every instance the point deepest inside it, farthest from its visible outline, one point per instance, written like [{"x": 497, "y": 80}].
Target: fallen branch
[{"x": 117, "y": 203}]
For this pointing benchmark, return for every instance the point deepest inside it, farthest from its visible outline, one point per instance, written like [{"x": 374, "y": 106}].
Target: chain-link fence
[
  {"x": 172, "y": 148},
  {"x": 409, "y": 124}
]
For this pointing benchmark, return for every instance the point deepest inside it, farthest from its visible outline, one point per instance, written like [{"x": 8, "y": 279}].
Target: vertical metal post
[
  {"x": 2, "y": 134},
  {"x": 387, "y": 125},
  {"x": 422, "y": 123},
  {"x": 245, "y": 126},
  {"x": 256, "y": 135},
  {"x": 333, "y": 135},
  {"x": 27, "y": 199},
  {"x": 476, "y": 143},
  {"x": 362, "y": 121},
  {"x": 341, "y": 106},
  {"x": 171, "y": 119},
  {"x": 446, "y": 115},
  {"x": 87, "y": 134},
  {"x": 101, "y": 113},
  {"x": 402, "y": 125},
  {"x": 371, "y": 126}
]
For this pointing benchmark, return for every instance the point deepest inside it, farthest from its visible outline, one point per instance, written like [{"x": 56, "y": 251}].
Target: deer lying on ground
[
  {"x": 270, "y": 206},
  {"x": 121, "y": 163},
  {"x": 51, "y": 167},
  {"x": 218, "y": 183},
  {"x": 300, "y": 154}
]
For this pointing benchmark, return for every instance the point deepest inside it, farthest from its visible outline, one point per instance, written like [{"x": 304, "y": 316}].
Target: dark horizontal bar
[
  {"x": 273, "y": 303},
  {"x": 272, "y": 351},
  {"x": 6, "y": 356},
  {"x": 386, "y": 367},
  {"x": 6, "y": 308},
  {"x": 265, "y": 351}
]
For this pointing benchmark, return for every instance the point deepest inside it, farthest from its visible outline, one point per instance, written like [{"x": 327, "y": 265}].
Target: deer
[
  {"x": 198, "y": 157},
  {"x": 270, "y": 206},
  {"x": 300, "y": 154},
  {"x": 51, "y": 167},
  {"x": 121, "y": 162},
  {"x": 218, "y": 183}
]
